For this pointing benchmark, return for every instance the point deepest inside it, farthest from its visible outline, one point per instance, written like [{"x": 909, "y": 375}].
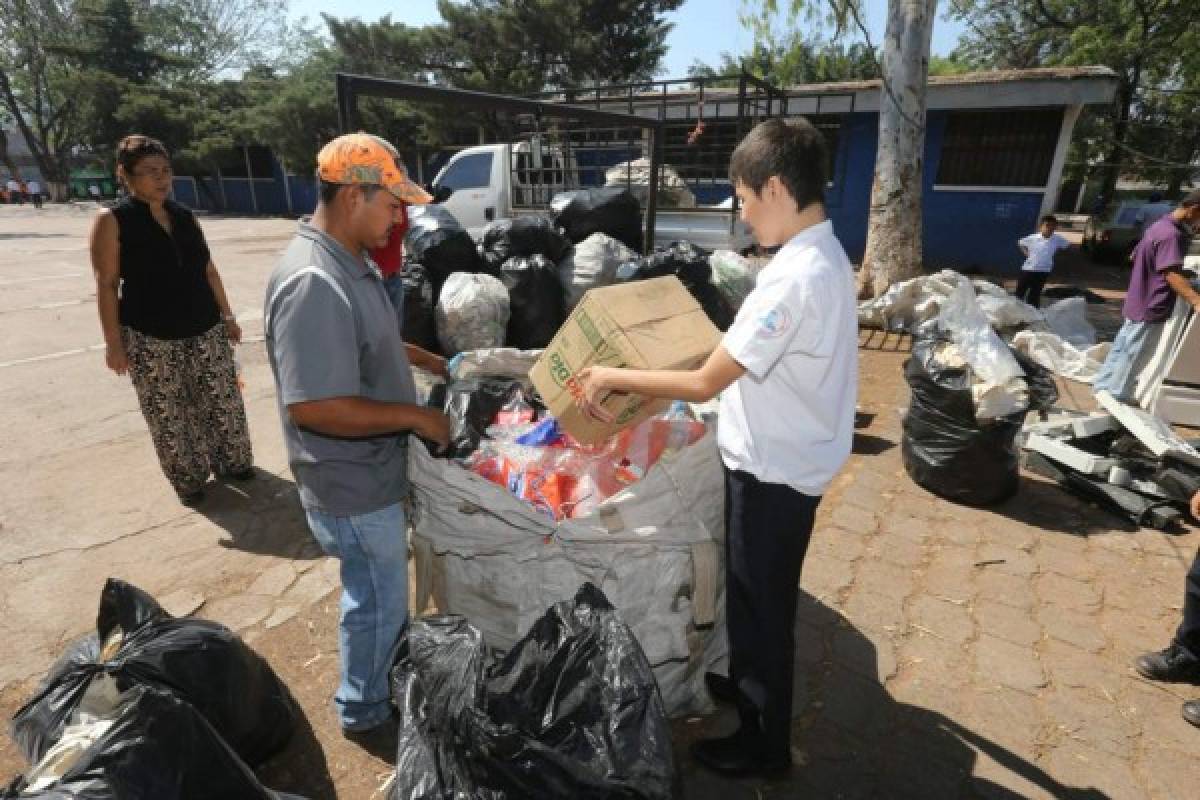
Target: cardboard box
[{"x": 654, "y": 324}]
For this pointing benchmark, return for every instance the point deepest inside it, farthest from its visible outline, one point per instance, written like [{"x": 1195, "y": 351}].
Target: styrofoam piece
[
  {"x": 1151, "y": 431},
  {"x": 1075, "y": 426},
  {"x": 1070, "y": 456}
]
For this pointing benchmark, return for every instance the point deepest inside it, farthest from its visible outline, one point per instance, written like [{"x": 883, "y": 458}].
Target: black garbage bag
[
  {"x": 157, "y": 747},
  {"x": 945, "y": 449},
  {"x": 691, "y": 265},
  {"x": 536, "y": 301},
  {"x": 1043, "y": 391},
  {"x": 472, "y": 405},
  {"x": 520, "y": 238},
  {"x": 611, "y": 210},
  {"x": 420, "y": 322},
  {"x": 140, "y": 644},
  {"x": 437, "y": 241},
  {"x": 572, "y": 710}
]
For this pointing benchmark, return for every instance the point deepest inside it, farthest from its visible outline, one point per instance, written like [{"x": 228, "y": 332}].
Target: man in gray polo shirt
[{"x": 347, "y": 402}]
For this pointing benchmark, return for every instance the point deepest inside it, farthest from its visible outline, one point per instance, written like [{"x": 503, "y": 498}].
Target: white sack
[
  {"x": 591, "y": 264},
  {"x": 472, "y": 313}
]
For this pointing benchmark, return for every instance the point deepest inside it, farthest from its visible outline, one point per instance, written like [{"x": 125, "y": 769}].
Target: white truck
[{"x": 498, "y": 181}]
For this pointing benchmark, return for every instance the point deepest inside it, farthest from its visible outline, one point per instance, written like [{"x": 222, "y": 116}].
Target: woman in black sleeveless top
[{"x": 167, "y": 323}]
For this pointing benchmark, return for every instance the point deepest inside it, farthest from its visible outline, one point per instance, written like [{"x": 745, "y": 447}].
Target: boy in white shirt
[
  {"x": 787, "y": 373},
  {"x": 1039, "y": 250}
]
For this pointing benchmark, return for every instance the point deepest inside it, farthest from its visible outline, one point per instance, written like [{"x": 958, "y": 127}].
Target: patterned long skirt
[{"x": 189, "y": 396}]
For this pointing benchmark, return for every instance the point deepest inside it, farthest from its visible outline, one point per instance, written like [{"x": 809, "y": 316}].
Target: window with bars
[{"x": 999, "y": 148}]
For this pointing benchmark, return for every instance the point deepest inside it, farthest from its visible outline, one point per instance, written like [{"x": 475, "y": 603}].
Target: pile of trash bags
[
  {"x": 152, "y": 706},
  {"x": 501, "y": 431},
  {"x": 518, "y": 285},
  {"x": 970, "y": 394},
  {"x": 571, "y": 710},
  {"x": 1058, "y": 337}
]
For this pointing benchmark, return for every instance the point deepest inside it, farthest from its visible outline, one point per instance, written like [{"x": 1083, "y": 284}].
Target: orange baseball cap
[{"x": 369, "y": 160}]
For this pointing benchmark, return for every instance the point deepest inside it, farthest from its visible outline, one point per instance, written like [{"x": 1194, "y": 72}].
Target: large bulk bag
[{"x": 655, "y": 549}]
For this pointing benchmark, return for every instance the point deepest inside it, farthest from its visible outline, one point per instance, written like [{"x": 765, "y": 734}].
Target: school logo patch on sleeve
[{"x": 774, "y": 322}]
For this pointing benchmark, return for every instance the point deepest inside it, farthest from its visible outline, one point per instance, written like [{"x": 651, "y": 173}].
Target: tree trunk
[
  {"x": 36, "y": 148},
  {"x": 893, "y": 250},
  {"x": 1126, "y": 93}
]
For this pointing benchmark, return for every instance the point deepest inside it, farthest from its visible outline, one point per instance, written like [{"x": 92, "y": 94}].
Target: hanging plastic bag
[
  {"x": 472, "y": 313},
  {"x": 535, "y": 299},
  {"x": 591, "y": 264},
  {"x": 437, "y": 241},
  {"x": 572, "y": 710},
  {"x": 946, "y": 449},
  {"x": 520, "y": 238},
  {"x": 611, "y": 210},
  {"x": 151, "y": 744},
  {"x": 140, "y": 644}
]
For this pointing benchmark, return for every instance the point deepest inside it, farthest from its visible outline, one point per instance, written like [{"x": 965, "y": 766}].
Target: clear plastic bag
[{"x": 472, "y": 313}]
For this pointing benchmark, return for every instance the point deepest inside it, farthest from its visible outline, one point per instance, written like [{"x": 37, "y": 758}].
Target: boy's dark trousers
[
  {"x": 1188, "y": 633},
  {"x": 1029, "y": 287},
  {"x": 768, "y": 526}
]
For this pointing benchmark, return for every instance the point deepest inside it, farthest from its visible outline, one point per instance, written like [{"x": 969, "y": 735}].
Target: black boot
[
  {"x": 1173, "y": 665},
  {"x": 741, "y": 753}
]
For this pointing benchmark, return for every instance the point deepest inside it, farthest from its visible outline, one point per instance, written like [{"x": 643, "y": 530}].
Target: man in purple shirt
[{"x": 1157, "y": 281}]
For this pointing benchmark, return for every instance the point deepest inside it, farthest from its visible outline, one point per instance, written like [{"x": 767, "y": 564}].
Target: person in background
[
  {"x": 1157, "y": 281},
  {"x": 1180, "y": 661},
  {"x": 787, "y": 375},
  {"x": 347, "y": 402},
  {"x": 14, "y": 191},
  {"x": 94, "y": 192},
  {"x": 390, "y": 260},
  {"x": 168, "y": 324},
  {"x": 1039, "y": 250},
  {"x": 35, "y": 193}
]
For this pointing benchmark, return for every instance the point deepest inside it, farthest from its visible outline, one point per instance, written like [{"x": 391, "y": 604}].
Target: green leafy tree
[{"x": 1150, "y": 44}]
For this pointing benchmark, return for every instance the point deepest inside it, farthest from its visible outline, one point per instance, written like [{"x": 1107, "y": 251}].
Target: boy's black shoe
[
  {"x": 1173, "y": 665},
  {"x": 739, "y": 754},
  {"x": 381, "y": 741},
  {"x": 720, "y": 687},
  {"x": 1191, "y": 712}
]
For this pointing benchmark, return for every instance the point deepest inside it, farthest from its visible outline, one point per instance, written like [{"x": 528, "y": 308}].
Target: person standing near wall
[
  {"x": 35, "y": 193},
  {"x": 1039, "y": 250},
  {"x": 168, "y": 325},
  {"x": 1157, "y": 282}
]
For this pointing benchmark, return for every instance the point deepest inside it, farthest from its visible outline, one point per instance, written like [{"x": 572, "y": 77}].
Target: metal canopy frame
[{"x": 349, "y": 87}]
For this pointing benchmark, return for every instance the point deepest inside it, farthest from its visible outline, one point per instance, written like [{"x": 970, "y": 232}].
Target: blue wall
[
  {"x": 204, "y": 193},
  {"x": 966, "y": 231}
]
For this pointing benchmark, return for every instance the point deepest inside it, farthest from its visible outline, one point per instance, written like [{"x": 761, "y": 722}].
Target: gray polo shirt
[{"x": 331, "y": 332}]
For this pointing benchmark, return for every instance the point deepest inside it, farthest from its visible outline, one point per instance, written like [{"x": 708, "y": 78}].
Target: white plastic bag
[
  {"x": 1060, "y": 356},
  {"x": 733, "y": 275},
  {"x": 968, "y": 327},
  {"x": 472, "y": 313},
  {"x": 1068, "y": 319},
  {"x": 591, "y": 264}
]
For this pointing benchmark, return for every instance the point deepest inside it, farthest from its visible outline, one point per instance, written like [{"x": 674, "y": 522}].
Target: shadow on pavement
[
  {"x": 851, "y": 739},
  {"x": 301, "y": 768},
  {"x": 262, "y": 516}
]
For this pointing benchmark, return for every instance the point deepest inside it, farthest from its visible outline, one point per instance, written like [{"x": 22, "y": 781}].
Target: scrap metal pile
[{"x": 1122, "y": 458}]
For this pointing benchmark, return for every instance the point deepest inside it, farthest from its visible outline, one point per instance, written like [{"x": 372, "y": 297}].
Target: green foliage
[{"x": 1153, "y": 128}]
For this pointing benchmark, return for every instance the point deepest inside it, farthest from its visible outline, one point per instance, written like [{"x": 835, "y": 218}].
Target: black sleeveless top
[{"x": 164, "y": 289}]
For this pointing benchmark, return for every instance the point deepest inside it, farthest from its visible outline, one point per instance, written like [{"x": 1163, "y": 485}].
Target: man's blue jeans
[
  {"x": 1117, "y": 376},
  {"x": 373, "y": 550}
]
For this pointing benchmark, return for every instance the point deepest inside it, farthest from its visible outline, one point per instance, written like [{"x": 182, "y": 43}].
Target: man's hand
[
  {"x": 590, "y": 383},
  {"x": 1196, "y": 506},
  {"x": 115, "y": 358},
  {"x": 434, "y": 426}
]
